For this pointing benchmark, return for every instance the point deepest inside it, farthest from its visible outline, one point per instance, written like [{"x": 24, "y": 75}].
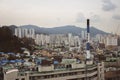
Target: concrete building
[
  {"x": 24, "y": 32},
  {"x": 84, "y": 34},
  {"x": 42, "y": 39},
  {"x": 100, "y": 38},
  {"x": 58, "y": 72},
  {"x": 70, "y": 39},
  {"x": 111, "y": 41},
  {"x": 18, "y": 32},
  {"x": 58, "y": 40},
  {"x": 77, "y": 41}
]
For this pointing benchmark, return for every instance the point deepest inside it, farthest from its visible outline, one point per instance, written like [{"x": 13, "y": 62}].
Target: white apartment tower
[
  {"x": 111, "y": 41},
  {"x": 83, "y": 34},
  {"x": 18, "y": 32},
  {"x": 70, "y": 39},
  {"x": 24, "y": 32}
]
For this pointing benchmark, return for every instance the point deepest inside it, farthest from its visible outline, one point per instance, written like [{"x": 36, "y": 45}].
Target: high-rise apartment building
[
  {"x": 111, "y": 41},
  {"x": 24, "y": 32},
  {"x": 83, "y": 34}
]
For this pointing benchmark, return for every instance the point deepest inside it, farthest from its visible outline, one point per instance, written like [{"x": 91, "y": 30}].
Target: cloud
[
  {"x": 95, "y": 18},
  {"x": 80, "y": 17},
  {"x": 108, "y": 5},
  {"x": 58, "y": 19},
  {"x": 116, "y": 17}
]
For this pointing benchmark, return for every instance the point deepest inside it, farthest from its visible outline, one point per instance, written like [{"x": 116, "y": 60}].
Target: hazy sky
[{"x": 104, "y": 14}]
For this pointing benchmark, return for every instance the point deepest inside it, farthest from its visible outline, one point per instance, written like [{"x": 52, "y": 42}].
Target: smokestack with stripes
[{"x": 88, "y": 41}]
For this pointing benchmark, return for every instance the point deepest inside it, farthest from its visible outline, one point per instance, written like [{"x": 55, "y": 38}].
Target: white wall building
[
  {"x": 70, "y": 39},
  {"x": 57, "y": 40},
  {"x": 83, "y": 34},
  {"x": 111, "y": 41},
  {"x": 24, "y": 32},
  {"x": 42, "y": 39},
  {"x": 100, "y": 38}
]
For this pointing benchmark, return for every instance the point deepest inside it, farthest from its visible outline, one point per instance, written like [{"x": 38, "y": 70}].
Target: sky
[{"x": 103, "y": 14}]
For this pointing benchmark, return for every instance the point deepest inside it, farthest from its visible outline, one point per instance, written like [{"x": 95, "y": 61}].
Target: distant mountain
[
  {"x": 94, "y": 31},
  {"x": 64, "y": 30},
  {"x": 60, "y": 30},
  {"x": 38, "y": 30},
  {"x": 11, "y": 27}
]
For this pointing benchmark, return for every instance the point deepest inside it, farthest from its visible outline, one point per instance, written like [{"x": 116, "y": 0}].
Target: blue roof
[
  {"x": 11, "y": 53},
  {"x": 17, "y": 60},
  {"x": 55, "y": 62},
  {"x": 12, "y": 61},
  {"x": 38, "y": 61},
  {"x": 4, "y": 61},
  {"x": 2, "y": 53}
]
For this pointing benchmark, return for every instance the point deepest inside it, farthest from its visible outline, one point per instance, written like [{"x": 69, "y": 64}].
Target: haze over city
[{"x": 104, "y": 14}]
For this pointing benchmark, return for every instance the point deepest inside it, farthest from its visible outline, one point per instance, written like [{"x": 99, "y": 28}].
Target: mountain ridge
[{"x": 75, "y": 30}]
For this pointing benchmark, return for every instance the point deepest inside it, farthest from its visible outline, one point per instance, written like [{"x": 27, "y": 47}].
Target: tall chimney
[{"x": 88, "y": 41}]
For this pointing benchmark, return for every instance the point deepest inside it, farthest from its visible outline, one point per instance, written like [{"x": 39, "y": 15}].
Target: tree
[
  {"x": 28, "y": 43},
  {"x": 8, "y": 42},
  {"x": 11, "y": 43}
]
